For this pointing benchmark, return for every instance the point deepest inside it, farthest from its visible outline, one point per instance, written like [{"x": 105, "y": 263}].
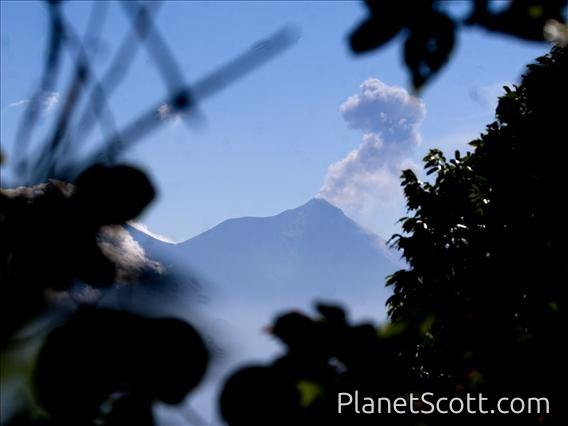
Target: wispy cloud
[
  {"x": 165, "y": 112},
  {"x": 143, "y": 228},
  {"x": 47, "y": 101},
  {"x": 50, "y": 100},
  {"x": 368, "y": 178},
  {"x": 18, "y": 103}
]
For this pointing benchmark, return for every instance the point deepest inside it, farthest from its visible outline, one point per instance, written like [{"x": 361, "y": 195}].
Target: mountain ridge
[{"x": 313, "y": 250}]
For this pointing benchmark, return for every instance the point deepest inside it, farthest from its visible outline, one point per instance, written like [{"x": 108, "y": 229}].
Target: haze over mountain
[
  {"x": 249, "y": 269},
  {"x": 287, "y": 260}
]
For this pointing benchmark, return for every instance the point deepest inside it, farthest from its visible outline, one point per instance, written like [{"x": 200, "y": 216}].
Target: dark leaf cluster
[
  {"x": 430, "y": 32},
  {"x": 108, "y": 367},
  {"x": 50, "y": 236},
  {"x": 324, "y": 356}
]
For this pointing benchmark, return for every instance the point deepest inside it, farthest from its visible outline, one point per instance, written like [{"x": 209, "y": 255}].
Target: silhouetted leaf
[
  {"x": 309, "y": 391},
  {"x": 428, "y": 47},
  {"x": 386, "y": 20},
  {"x": 260, "y": 396},
  {"x": 113, "y": 194},
  {"x": 373, "y": 33},
  {"x": 101, "y": 360}
]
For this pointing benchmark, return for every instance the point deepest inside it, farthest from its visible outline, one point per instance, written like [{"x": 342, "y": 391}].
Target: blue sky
[{"x": 269, "y": 139}]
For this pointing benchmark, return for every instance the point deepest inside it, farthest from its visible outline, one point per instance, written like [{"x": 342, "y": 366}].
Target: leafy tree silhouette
[
  {"x": 485, "y": 247},
  {"x": 480, "y": 306}
]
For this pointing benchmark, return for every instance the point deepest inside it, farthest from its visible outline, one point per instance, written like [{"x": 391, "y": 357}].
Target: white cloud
[
  {"x": 128, "y": 256},
  {"x": 368, "y": 178},
  {"x": 166, "y": 113},
  {"x": 386, "y": 111},
  {"x": 143, "y": 228},
  {"x": 49, "y": 100}
]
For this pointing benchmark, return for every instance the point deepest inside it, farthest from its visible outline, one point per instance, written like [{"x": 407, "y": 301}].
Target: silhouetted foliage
[
  {"x": 431, "y": 32},
  {"x": 325, "y": 356},
  {"x": 50, "y": 240},
  {"x": 486, "y": 243},
  {"x": 479, "y": 308},
  {"x": 104, "y": 363},
  {"x": 253, "y": 396}
]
